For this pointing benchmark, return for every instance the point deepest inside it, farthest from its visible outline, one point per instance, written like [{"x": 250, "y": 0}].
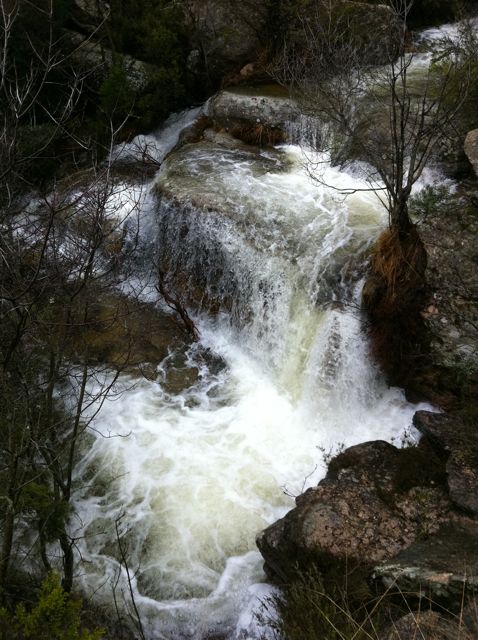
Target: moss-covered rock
[{"x": 129, "y": 335}]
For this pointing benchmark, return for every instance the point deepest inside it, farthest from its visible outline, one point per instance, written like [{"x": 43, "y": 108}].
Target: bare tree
[
  {"x": 61, "y": 245},
  {"x": 359, "y": 80},
  {"x": 364, "y": 86}
]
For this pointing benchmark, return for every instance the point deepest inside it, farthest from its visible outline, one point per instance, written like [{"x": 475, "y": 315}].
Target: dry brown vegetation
[
  {"x": 258, "y": 134},
  {"x": 395, "y": 295}
]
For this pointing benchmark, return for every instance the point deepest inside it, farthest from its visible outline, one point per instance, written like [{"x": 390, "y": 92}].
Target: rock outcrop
[
  {"x": 267, "y": 106},
  {"x": 99, "y": 60},
  {"x": 410, "y": 512},
  {"x": 443, "y": 568},
  {"x": 460, "y": 443},
  {"x": 370, "y": 506},
  {"x": 471, "y": 149},
  {"x": 376, "y": 28},
  {"x": 446, "y": 370},
  {"x": 226, "y": 35},
  {"x": 238, "y": 39}
]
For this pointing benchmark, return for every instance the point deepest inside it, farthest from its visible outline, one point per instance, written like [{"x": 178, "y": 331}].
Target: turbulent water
[{"x": 186, "y": 479}]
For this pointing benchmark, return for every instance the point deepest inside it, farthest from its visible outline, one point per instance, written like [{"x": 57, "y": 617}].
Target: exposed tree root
[
  {"x": 258, "y": 134},
  {"x": 395, "y": 295}
]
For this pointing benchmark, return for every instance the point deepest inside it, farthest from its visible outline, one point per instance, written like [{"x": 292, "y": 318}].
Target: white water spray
[{"x": 191, "y": 477}]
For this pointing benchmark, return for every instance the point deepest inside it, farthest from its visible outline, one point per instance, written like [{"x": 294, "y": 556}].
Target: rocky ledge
[
  {"x": 406, "y": 517},
  {"x": 268, "y": 106}
]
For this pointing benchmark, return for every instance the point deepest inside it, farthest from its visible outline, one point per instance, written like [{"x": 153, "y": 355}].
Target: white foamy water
[
  {"x": 153, "y": 147},
  {"x": 187, "y": 479}
]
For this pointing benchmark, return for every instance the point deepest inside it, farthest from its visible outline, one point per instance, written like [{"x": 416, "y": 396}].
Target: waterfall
[{"x": 271, "y": 265}]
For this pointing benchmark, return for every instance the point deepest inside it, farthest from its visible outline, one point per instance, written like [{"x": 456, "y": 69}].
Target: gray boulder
[
  {"x": 100, "y": 59},
  {"x": 471, "y": 149},
  {"x": 228, "y": 34},
  {"x": 362, "y": 512},
  {"x": 252, "y": 106}
]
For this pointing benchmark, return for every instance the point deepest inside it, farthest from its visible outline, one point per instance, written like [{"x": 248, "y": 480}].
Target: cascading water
[{"x": 192, "y": 476}]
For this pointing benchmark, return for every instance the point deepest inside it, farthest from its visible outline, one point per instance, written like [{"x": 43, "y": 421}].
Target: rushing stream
[{"x": 191, "y": 476}]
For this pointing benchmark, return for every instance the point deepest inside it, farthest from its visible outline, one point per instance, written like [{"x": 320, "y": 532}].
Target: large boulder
[
  {"x": 228, "y": 36},
  {"x": 99, "y": 60},
  {"x": 375, "y": 501},
  {"x": 269, "y": 107},
  {"x": 375, "y": 30},
  {"x": 471, "y": 149},
  {"x": 459, "y": 442},
  {"x": 225, "y": 34}
]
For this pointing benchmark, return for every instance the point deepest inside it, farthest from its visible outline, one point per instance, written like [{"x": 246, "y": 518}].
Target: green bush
[
  {"x": 116, "y": 94},
  {"x": 165, "y": 92},
  {"x": 431, "y": 201},
  {"x": 56, "y": 616}
]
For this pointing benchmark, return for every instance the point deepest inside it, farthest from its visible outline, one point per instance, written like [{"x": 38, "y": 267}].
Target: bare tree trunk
[
  {"x": 68, "y": 561},
  {"x": 7, "y": 542}
]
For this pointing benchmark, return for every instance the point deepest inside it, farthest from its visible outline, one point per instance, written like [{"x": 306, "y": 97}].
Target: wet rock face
[
  {"x": 361, "y": 512},
  {"x": 130, "y": 335},
  {"x": 460, "y": 442}
]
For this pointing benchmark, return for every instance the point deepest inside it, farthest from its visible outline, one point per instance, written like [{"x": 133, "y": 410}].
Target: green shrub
[
  {"x": 165, "y": 93},
  {"x": 431, "y": 201},
  {"x": 56, "y": 616},
  {"x": 116, "y": 94}
]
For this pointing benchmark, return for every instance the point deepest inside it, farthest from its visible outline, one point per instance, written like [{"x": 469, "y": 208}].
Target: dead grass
[
  {"x": 309, "y": 609},
  {"x": 398, "y": 265},
  {"x": 258, "y": 134},
  {"x": 395, "y": 295}
]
